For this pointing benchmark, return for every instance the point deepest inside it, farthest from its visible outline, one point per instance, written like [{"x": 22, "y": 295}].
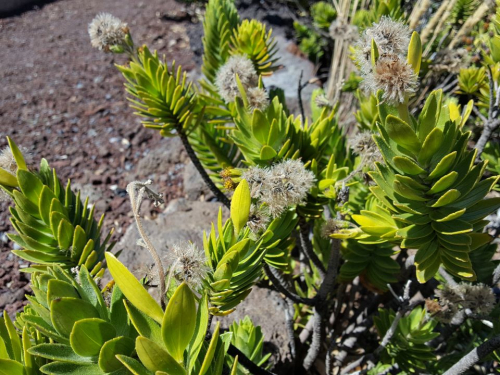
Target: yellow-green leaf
[
  {"x": 154, "y": 358},
  {"x": 240, "y": 206},
  {"x": 179, "y": 321},
  {"x": 415, "y": 52},
  {"x": 132, "y": 289}
]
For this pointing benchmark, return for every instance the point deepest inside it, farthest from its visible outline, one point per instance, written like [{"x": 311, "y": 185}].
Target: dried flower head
[
  {"x": 258, "y": 219},
  {"x": 226, "y": 77},
  {"x": 256, "y": 178},
  {"x": 450, "y": 60},
  {"x": 448, "y": 295},
  {"x": 362, "y": 144},
  {"x": 329, "y": 227},
  {"x": 287, "y": 185},
  {"x": 7, "y": 161},
  {"x": 106, "y": 31},
  {"x": 478, "y": 298},
  {"x": 394, "y": 76},
  {"x": 343, "y": 31},
  {"x": 187, "y": 264},
  {"x": 322, "y": 101},
  {"x": 391, "y": 37},
  {"x": 257, "y": 99}
]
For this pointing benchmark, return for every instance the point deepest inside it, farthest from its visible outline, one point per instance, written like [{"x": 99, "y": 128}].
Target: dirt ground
[{"x": 62, "y": 100}]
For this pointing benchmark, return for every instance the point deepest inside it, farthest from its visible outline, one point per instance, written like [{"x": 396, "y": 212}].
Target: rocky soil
[{"x": 64, "y": 101}]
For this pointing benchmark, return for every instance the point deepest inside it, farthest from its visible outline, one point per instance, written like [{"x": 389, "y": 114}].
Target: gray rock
[
  {"x": 194, "y": 187},
  {"x": 288, "y": 77},
  {"x": 266, "y": 309},
  {"x": 182, "y": 221},
  {"x": 160, "y": 159}
]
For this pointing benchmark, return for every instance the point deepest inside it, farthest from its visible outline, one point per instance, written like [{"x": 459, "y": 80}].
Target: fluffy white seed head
[
  {"x": 257, "y": 99},
  {"x": 258, "y": 219},
  {"x": 257, "y": 178},
  {"x": 226, "y": 77},
  {"x": 392, "y": 37},
  {"x": 479, "y": 298},
  {"x": 287, "y": 185},
  {"x": 7, "y": 161},
  {"x": 187, "y": 264},
  {"x": 362, "y": 144},
  {"x": 394, "y": 76},
  {"x": 343, "y": 31},
  {"x": 106, "y": 31}
]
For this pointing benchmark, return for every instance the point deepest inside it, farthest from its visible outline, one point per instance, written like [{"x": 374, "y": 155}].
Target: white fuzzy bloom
[
  {"x": 392, "y": 37},
  {"x": 258, "y": 219},
  {"x": 257, "y": 99},
  {"x": 188, "y": 263},
  {"x": 362, "y": 144},
  {"x": 106, "y": 31},
  {"x": 7, "y": 161},
  {"x": 288, "y": 185},
  {"x": 226, "y": 77},
  {"x": 394, "y": 76},
  {"x": 256, "y": 178}
]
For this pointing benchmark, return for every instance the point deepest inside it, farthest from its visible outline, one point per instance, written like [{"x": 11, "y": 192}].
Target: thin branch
[
  {"x": 246, "y": 362},
  {"x": 474, "y": 356},
  {"x": 307, "y": 246},
  {"x": 289, "y": 313},
  {"x": 492, "y": 90},
  {"x": 281, "y": 285},
  {"x": 204, "y": 175},
  {"x": 299, "y": 93},
  {"x": 322, "y": 304},
  {"x": 135, "y": 201}
]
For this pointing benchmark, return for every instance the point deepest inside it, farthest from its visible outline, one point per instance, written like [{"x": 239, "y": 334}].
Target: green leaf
[
  {"x": 154, "y": 358},
  {"x": 63, "y": 368},
  {"x": 18, "y": 155},
  {"x": 107, "y": 357},
  {"x": 65, "y": 234},
  {"x": 7, "y": 179},
  {"x": 200, "y": 332},
  {"x": 133, "y": 365},
  {"x": 443, "y": 183},
  {"x": 260, "y": 126},
  {"x": 144, "y": 325},
  {"x": 30, "y": 185},
  {"x": 132, "y": 289},
  {"x": 179, "y": 321},
  {"x": 495, "y": 48},
  {"x": 431, "y": 144},
  {"x": 11, "y": 367},
  {"x": 430, "y": 114},
  {"x": 89, "y": 335},
  {"x": 209, "y": 355},
  {"x": 66, "y": 311},
  {"x": 415, "y": 52},
  {"x": 267, "y": 153},
  {"x": 402, "y": 134},
  {"x": 443, "y": 166},
  {"x": 406, "y": 165},
  {"x": 58, "y": 289},
  {"x": 240, "y": 206},
  {"x": 58, "y": 352},
  {"x": 447, "y": 198},
  {"x": 14, "y": 339}
]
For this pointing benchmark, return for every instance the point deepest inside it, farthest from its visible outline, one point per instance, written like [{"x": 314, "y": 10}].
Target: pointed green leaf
[
  {"x": 415, "y": 52},
  {"x": 402, "y": 134},
  {"x": 240, "y": 206},
  {"x": 179, "y": 321},
  {"x": 133, "y": 289},
  {"x": 406, "y": 165},
  {"x": 18, "y": 155},
  {"x": 107, "y": 357},
  {"x": 154, "y": 358},
  {"x": 431, "y": 144}
]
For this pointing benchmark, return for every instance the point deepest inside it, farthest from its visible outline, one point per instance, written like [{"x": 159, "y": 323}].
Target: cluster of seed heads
[
  {"x": 187, "y": 263},
  {"x": 107, "y": 31},
  {"x": 227, "y": 85},
  {"x": 283, "y": 185},
  {"x": 454, "y": 300},
  {"x": 258, "y": 219},
  {"x": 391, "y": 73},
  {"x": 363, "y": 145}
]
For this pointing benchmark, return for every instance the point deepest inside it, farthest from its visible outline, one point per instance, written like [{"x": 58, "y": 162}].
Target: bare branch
[
  {"x": 281, "y": 285},
  {"x": 307, "y": 247},
  {"x": 474, "y": 356}
]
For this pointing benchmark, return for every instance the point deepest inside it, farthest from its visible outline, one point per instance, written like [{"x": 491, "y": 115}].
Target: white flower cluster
[
  {"x": 453, "y": 300},
  {"x": 362, "y": 144},
  {"x": 187, "y": 263},
  {"x": 391, "y": 73},
  {"x": 283, "y": 185},
  {"x": 106, "y": 31},
  {"x": 228, "y": 87}
]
